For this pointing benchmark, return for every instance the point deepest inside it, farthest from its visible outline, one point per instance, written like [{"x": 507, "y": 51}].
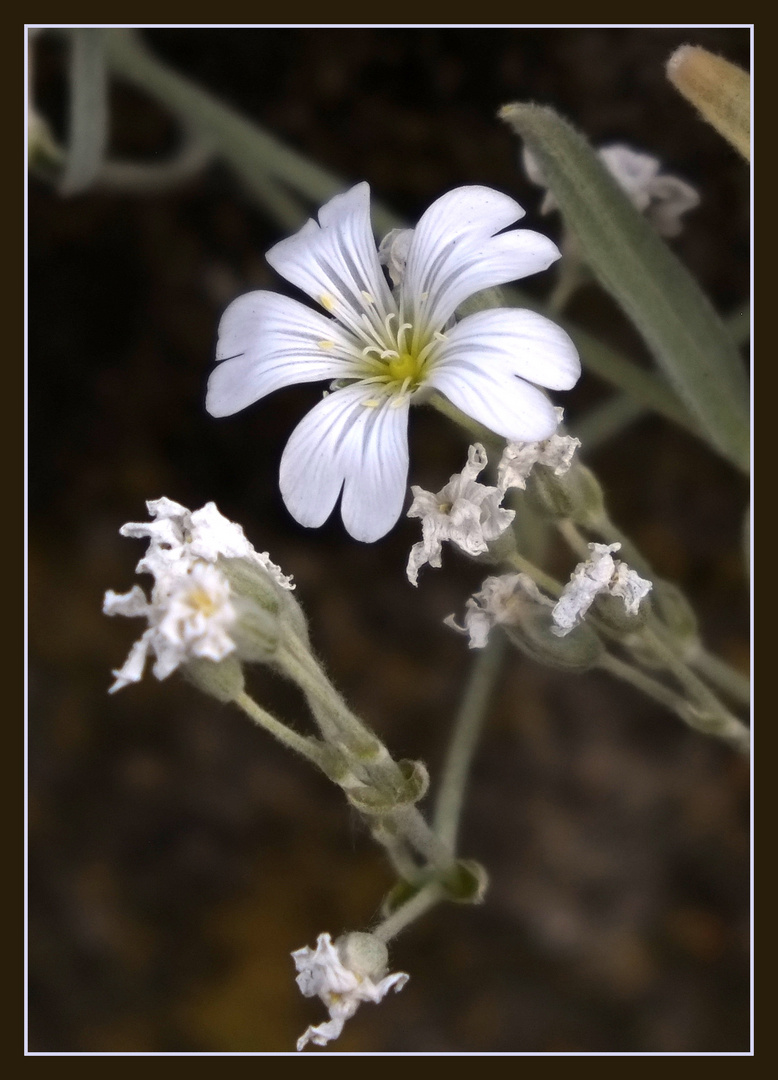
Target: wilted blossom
[
  {"x": 600, "y": 573},
  {"x": 662, "y": 198},
  {"x": 382, "y": 349},
  {"x": 497, "y": 603},
  {"x": 465, "y": 512},
  {"x": 519, "y": 459},
  {"x": 343, "y": 975},
  {"x": 189, "y": 616},
  {"x": 191, "y": 610}
]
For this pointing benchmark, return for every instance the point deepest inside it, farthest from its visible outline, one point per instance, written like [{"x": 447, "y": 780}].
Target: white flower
[
  {"x": 600, "y": 573},
  {"x": 384, "y": 349},
  {"x": 189, "y": 616},
  {"x": 465, "y": 512},
  {"x": 343, "y": 975},
  {"x": 663, "y": 199},
  {"x": 518, "y": 459},
  {"x": 191, "y": 611},
  {"x": 180, "y": 534},
  {"x": 497, "y": 604}
]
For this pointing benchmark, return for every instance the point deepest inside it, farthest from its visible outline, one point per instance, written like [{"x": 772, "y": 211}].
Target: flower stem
[
  {"x": 467, "y": 728},
  {"x": 307, "y": 747},
  {"x": 339, "y": 725},
  {"x": 540, "y": 577},
  {"x": 653, "y": 689},
  {"x": 723, "y": 676},
  {"x": 411, "y": 824},
  {"x": 424, "y": 899}
]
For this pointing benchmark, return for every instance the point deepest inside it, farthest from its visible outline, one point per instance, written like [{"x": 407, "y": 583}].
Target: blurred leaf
[{"x": 678, "y": 323}]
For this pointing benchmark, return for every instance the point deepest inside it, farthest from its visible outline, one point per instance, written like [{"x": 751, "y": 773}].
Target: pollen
[
  {"x": 327, "y": 302},
  {"x": 326, "y": 344},
  {"x": 201, "y": 601}
]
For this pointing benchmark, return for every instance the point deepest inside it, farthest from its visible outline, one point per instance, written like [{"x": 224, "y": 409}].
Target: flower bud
[
  {"x": 578, "y": 650},
  {"x": 575, "y": 494},
  {"x": 221, "y": 679},
  {"x": 364, "y": 954},
  {"x": 675, "y": 612}
]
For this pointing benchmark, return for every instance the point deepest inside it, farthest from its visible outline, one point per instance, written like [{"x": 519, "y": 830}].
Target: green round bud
[
  {"x": 610, "y": 610},
  {"x": 579, "y": 650},
  {"x": 364, "y": 954},
  {"x": 576, "y": 494},
  {"x": 466, "y": 883},
  {"x": 673, "y": 609}
]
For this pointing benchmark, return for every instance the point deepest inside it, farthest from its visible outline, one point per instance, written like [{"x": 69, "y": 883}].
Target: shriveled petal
[
  {"x": 345, "y": 443},
  {"x": 321, "y": 1034},
  {"x": 634, "y": 171},
  {"x": 455, "y": 252},
  {"x": 131, "y": 603},
  {"x": 505, "y": 404},
  {"x": 520, "y": 341},
  {"x": 267, "y": 341},
  {"x": 132, "y": 671},
  {"x": 336, "y": 261}
]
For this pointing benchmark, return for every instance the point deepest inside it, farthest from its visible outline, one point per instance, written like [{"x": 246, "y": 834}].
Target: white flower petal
[
  {"x": 523, "y": 342},
  {"x": 508, "y": 406},
  {"x": 132, "y": 671},
  {"x": 131, "y": 603},
  {"x": 375, "y": 457},
  {"x": 267, "y": 341},
  {"x": 454, "y": 252},
  {"x": 345, "y": 443},
  {"x": 336, "y": 262},
  {"x": 471, "y": 214}
]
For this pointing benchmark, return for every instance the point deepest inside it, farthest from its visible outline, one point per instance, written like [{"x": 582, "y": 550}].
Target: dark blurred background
[{"x": 177, "y": 855}]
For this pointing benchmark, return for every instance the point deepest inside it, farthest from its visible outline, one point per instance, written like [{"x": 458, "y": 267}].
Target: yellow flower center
[
  {"x": 405, "y": 366},
  {"x": 201, "y": 601}
]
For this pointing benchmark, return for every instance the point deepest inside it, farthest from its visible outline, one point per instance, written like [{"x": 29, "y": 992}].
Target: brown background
[{"x": 177, "y": 856}]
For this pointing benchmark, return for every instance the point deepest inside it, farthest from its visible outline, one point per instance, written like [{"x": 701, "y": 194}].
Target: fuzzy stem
[
  {"x": 464, "y": 738},
  {"x": 424, "y": 899},
  {"x": 307, "y": 747},
  {"x": 540, "y": 577},
  {"x": 722, "y": 675}
]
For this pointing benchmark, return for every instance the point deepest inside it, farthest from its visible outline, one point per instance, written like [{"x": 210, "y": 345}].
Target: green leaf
[{"x": 678, "y": 323}]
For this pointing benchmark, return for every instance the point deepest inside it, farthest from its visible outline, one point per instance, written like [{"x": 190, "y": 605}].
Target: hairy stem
[{"x": 467, "y": 729}]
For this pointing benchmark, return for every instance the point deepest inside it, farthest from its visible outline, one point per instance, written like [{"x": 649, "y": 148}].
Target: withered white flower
[
  {"x": 180, "y": 534},
  {"x": 496, "y": 604},
  {"x": 386, "y": 349},
  {"x": 518, "y": 459},
  {"x": 192, "y": 612},
  {"x": 662, "y": 198},
  {"x": 465, "y": 512},
  {"x": 600, "y": 573},
  {"x": 343, "y": 975},
  {"x": 189, "y": 616}
]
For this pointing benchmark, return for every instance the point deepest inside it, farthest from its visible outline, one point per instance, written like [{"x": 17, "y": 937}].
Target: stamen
[
  {"x": 401, "y": 395},
  {"x": 390, "y": 353},
  {"x": 370, "y": 299},
  {"x": 422, "y": 355},
  {"x": 327, "y": 302},
  {"x": 326, "y": 344},
  {"x": 401, "y": 335}
]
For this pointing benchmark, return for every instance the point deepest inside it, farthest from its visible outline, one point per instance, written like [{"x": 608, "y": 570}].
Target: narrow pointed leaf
[{"x": 678, "y": 323}]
